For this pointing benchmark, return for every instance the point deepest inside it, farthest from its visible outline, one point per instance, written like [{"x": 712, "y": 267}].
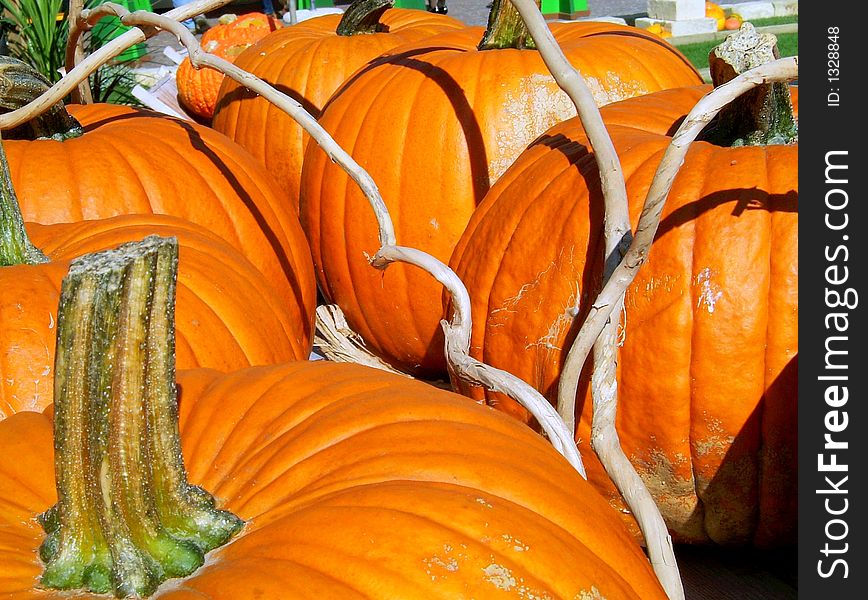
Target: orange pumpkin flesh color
[
  {"x": 435, "y": 123},
  {"x": 130, "y": 161},
  {"x": 309, "y": 61},
  {"x": 707, "y": 369},
  {"x": 351, "y": 482}
]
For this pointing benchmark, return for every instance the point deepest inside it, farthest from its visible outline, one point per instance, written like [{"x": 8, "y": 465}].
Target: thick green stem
[
  {"x": 363, "y": 16},
  {"x": 20, "y": 84},
  {"x": 126, "y": 517},
  {"x": 506, "y": 28},
  {"x": 15, "y": 247},
  {"x": 761, "y": 117}
]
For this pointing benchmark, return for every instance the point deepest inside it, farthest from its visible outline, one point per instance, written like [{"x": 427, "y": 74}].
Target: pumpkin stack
[
  {"x": 87, "y": 162},
  {"x": 309, "y": 61}
]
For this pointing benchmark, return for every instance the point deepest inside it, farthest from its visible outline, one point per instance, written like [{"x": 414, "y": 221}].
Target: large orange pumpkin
[
  {"x": 309, "y": 61},
  {"x": 228, "y": 315},
  {"x": 707, "y": 370},
  {"x": 436, "y": 123},
  {"x": 352, "y": 483},
  {"x": 131, "y": 161},
  {"x": 135, "y": 161}
]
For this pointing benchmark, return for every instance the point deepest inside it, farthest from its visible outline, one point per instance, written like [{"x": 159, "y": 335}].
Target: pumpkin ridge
[
  {"x": 699, "y": 513},
  {"x": 459, "y": 537},
  {"x": 440, "y": 488},
  {"x": 253, "y": 453},
  {"x": 193, "y": 448},
  {"x": 652, "y": 38}
]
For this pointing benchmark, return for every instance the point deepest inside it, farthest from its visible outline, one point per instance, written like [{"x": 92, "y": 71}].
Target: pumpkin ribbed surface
[
  {"x": 307, "y": 61},
  {"x": 707, "y": 392},
  {"x": 435, "y": 124},
  {"x": 228, "y": 315},
  {"x": 358, "y": 484},
  {"x": 136, "y": 162}
]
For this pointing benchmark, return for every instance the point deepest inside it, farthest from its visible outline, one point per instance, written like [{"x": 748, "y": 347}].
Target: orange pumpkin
[
  {"x": 309, "y": 61},
  {"x": 228, "y": 315},
  {"x": 435, "y": 124},
  {"x": 131, "y": 161},
  {"x": 707, "y": 370},
  {"x": 197, "y": 88},
  {"x": 351, "y": 482}
]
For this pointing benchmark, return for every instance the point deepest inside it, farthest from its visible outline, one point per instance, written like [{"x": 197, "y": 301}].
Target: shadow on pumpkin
[
  {"x": 199, "y": 145},
  {"x": 242, "y": 94}
]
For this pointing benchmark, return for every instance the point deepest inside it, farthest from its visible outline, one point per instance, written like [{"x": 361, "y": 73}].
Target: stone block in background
[
  {"x": 785, "y": 8},
  {"x": 676, "y": 10},
  {"x": 752, "y": 10},
  {"x": 677, "y": 28}
]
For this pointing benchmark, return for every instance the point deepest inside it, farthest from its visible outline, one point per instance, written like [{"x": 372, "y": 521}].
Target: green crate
[
  {"x": 305, "y": 4},
  {"x": 108, "y": 28},
  {"x": 564, "y": 9}
]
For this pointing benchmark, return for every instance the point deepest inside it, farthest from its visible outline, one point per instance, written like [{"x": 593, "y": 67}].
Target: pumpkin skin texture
[
  {"x": 228, "y": 315},
  {"x": 481, "y": 109},
  {"x": 148, "y": 163},
  {"x": 707, "y": 370},
  {"x": 356, "y": 483},
  {"x": 308, "y": 61}
]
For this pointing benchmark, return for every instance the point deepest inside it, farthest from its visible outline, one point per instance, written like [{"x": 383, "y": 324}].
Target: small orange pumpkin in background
[
  {"x": 733, "y": 22},
  {"x": 197, "y": 88},
  {"x": 323, "y": 480},
  {"x": 715, "y": 11}
]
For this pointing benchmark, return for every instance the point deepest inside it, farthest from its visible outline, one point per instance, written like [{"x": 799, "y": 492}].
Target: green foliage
[{"x": 39, "y": 38}]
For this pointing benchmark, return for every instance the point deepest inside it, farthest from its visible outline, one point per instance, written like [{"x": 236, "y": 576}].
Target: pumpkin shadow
[
  {"x": 755, "y": 495},
  {"x": 752, "y": 499}
]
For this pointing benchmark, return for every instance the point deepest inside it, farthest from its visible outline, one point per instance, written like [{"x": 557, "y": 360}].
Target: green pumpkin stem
[
  {"x": 20, "y": 84},
  {"x": 15, "y": 247},
  {"x": 762, "y": 116},
  {"x": 363, "y": 16},
  {"x": 506, "y": 28},
  {"x": 126, "y": 517}
]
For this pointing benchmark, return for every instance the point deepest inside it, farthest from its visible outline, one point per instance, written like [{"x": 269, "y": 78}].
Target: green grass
[
  {"x": 788, "y": 45},
  {"x": 774, "y": 20}
]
